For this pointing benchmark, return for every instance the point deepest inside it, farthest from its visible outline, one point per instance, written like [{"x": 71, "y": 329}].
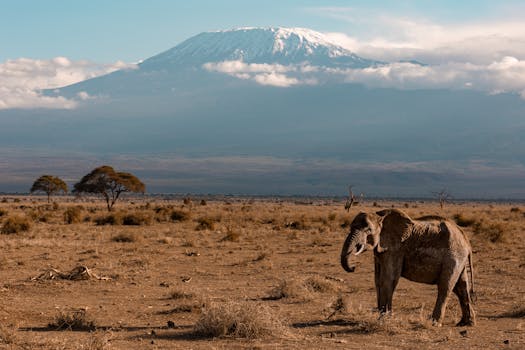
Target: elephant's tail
[{"x": 471, "y": 269}]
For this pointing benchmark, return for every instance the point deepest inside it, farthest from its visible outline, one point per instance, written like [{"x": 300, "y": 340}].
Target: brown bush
[
  {"x": 16, "y": 224},
  {"x": 205, "y": 223},
  {"x": 180, "y": 215},
  {"x": 238, "y": 320},
  {"x": 73, "y": 215},
  {"x": 110, "y": 219},
  {"x": 463, "y": 221},
  {"x": 494, "y": 232},
  {"x": 73, "y": 321},
  {"x": 137, "y": 219},
  {"x": 3, "y": 212}
]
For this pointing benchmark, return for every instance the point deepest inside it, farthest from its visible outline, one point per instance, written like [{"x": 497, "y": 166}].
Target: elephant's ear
[{"x": 395, "y": 228}]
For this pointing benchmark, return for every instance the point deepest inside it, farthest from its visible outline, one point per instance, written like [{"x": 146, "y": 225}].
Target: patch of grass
[
  {"x": 3, "y": 212},
  {"x": 15, "y": 224},
  {"x": 180, "y": 215},
  {"x": 290, "y": 289},
  {"x": 126, "y": 237},
  {"x": 73, "y": 215},
  {"x": 110, "y": 219},
  {"x": 320, "y": 285},
  {"x": 205, "y": 223},
  {"x": 74, "y": 321},
  {"x": 238, "y": 320},
  {"x": 515, "y": 210},
  {"x": 231, "y": 236},
  {"x": 137, "y": 219},
  {"x": 463, "y": 221},
  {"x": 178, "y": 294},
  {"x": 494, "y": 232}
]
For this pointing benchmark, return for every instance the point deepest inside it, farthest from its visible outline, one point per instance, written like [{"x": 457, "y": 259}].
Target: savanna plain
[{"x": 237, "y": 273}]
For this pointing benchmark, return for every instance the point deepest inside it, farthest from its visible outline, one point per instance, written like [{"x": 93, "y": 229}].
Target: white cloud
[
  {"x": 505, "y": 75},
  {"x": 264, "y": 74},
  {"x": 390, "y": 38},
  {"x": 22, "y": 79}
]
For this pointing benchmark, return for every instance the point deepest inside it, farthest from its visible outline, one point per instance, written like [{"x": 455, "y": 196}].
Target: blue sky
[{"x": 129, "y": 30}]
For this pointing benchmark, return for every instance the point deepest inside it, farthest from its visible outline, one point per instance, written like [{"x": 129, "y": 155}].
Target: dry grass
[
  {"x": 180, "y": 215},
  {"x": 238, "y": 320},
  {"x": 15, "y": 224},
  {"x": 137, "y": 219},
  {"x": 495, "y": 232},
  {"x": 463, "y": 221},
  {"x": 126, "y": 237},
  {"x": 178, "y": 294},
  {"x": 76, "y": 320},
  {"x": 109, "y": 219},
  {"x": 73, "y": 215},
  {"x": 206, "y": 223}
]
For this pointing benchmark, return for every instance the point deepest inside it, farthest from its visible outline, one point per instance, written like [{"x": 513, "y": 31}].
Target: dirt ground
[{"x": 151, "y": 282}]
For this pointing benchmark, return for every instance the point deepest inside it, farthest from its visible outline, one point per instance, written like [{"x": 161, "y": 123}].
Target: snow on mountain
[{"x": 259, "y": 45}]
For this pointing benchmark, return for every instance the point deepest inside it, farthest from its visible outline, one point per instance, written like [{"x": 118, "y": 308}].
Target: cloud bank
[
  {"x": 22, "y": 79},
  {"x": 505, "y": 75}
]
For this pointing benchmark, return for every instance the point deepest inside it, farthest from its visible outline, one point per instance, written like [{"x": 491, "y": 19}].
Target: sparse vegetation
[
  {"x": 15, "y": 224},
  {"x": 137, "y": 219},
  {"x": 180, "y": 215},
  {"x": 148, "y": 283},
  {"x": 463, "y": 221},
  {"x": 73, "y": 215},
  {"x": 238, "y": 320},
  {"x": 73, "y": 321}
]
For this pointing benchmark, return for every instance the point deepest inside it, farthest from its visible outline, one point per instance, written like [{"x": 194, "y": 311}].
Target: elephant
[{"x": 431, "y": 250}]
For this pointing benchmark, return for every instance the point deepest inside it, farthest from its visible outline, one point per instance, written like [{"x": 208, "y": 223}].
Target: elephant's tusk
[{"x": 362, "y": 249}]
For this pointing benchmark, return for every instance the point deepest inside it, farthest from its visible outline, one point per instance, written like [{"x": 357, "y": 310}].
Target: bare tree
[
  {"x": 352, "y": 199},
  {"x": 443, "y": 197}
]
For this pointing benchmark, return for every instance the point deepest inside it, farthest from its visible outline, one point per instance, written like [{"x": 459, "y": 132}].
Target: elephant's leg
[
  {"x": 462, "y": 292},
  {"x": 377, "y": 280},
  {"x": 446, "y": 283},
  {"x": 390, "y": 272}
]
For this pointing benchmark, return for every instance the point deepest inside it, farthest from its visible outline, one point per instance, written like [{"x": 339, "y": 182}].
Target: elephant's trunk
[{"x": 346, "y": 252}]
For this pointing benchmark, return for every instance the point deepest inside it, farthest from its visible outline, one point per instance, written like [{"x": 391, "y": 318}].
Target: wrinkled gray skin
[{"x": 430, "y": 250}]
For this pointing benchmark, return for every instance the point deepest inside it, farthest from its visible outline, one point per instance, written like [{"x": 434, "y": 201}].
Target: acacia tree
[
  {"x": 108, "y": 183},
  {"x": 49, "y": 185}
]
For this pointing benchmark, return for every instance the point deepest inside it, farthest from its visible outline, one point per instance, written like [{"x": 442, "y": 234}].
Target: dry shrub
[
  {"x": 463, "y": 221},
  {"x": 494, "y": 232},
  {"x": 178, "y": 294},
  {"x": 110, "y": 219},
  {"x": 231, "y": 236},
  {"x": 203, "y": 202},
  {"x": 73, "y": 215},
  {"x": 298, "y": 224},
  {"x": 97, "y": 341},
  {"x": 320, "y": 285},
  {"x": 74, "y": 321},
  {"x": 205, "y": 223},
  {"x": 290, "y": 289},
  {"x": 126, "y": 237},
  {"x": 515, "y": 210},
  {"x": 238, "y": 320},
  {"x": 3, "y": 212},
  {"x": 15, "y": 224},
  {"x": 180, "y": 215},
  {"x": 137, "y": 219}
]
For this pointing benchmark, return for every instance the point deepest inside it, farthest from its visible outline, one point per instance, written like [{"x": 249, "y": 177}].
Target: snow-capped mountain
[
  {"x": 299, "y": 54},
  {"x": 259, "y": 45}
]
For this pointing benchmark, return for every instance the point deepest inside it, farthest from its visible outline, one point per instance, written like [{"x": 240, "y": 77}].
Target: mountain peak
[{"x": 259, "y": 45}]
